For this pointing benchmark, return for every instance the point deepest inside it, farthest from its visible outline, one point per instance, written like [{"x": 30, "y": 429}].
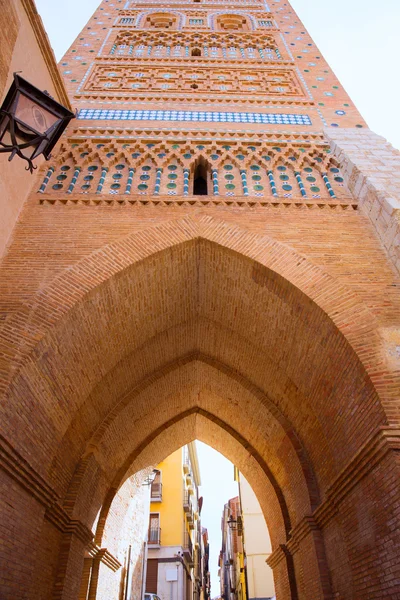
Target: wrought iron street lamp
[
  {"x": 149, "y": 480},
  {"x": 31, "y": 122},
  {"x": 232, "y": 523}
]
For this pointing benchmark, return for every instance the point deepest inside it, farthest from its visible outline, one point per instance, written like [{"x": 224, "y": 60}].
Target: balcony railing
[
  {"x": 154, "y": 538},
  {"x": 156, "y": 492},
  {"x": 188, "y": 548},
  {"x": 187, "y": 502}
]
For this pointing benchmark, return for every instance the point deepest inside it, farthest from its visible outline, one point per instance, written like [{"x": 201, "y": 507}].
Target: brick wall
[
  {"x": 306, "y": 450},
  {"x": 265, "y": 324},
  {"x": 126, "y": 527}
]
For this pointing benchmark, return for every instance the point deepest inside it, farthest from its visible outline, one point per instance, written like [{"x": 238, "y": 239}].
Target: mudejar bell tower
[
  {"x": 212, "y": 253},
  {"x": 223, "y": 100}
]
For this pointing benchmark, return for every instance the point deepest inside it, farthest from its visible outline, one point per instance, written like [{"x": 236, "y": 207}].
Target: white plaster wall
[{"x": 258, "y": 544}]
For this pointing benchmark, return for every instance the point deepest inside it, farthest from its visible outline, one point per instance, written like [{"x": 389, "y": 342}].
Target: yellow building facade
[{"x": 174, "y": 536}]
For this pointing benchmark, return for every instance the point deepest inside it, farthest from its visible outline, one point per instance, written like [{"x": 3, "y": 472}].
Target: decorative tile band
[{"x": 189, "y": 115}]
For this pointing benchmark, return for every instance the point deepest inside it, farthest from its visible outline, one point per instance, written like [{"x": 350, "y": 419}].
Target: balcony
[
  {"x": 188, "y": 549},
  {"x": 187, "y": 503},
  {"x": 156, "y": 492},
  {"x": 154, "y": 536}
]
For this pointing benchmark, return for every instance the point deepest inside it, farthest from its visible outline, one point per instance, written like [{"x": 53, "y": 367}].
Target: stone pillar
[
  {"x": 102, "y": 179},
  {"x": 301, "y": 184},
  {"x": 74, "y": 180},
  {"x": 215, "y": 182},
  {"x": 328, "y": 185},
  {"x": 272, "y": 183},
  {"x": 158, "y": 181},
  {"x": 243, "y": 175},
  {"x": 185, "y": 182},
  {"x": 46, "y": 180},
  {"x": 129, "y": 182},
  {"x": 344, "y": 529}
]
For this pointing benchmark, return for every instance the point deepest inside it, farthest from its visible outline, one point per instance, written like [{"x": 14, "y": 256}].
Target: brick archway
[
  {"x": 201, "y": 425},
  {"x": 110, "y": 325},
  {"x": 27, "y": 325}
]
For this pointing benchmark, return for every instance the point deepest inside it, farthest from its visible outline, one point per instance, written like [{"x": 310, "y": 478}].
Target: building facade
[
  {"x": 212, "y": 253},
  {"x": 205, "y": 565},
  {"x": 174, "y": 560},
  {"x": 246, "y": 547},
  {"x": 257, "y": 544},
  {"x": 232, "y": 559}
]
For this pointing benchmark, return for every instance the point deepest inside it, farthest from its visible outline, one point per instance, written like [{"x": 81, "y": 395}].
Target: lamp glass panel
[
  {"x": 4, "y": 130},
  {"x": 41, "y": 147},
  {"x": 34, "y": 115}
]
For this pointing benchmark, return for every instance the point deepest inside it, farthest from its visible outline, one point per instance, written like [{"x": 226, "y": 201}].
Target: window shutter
[{"x": 152, "y": 576}]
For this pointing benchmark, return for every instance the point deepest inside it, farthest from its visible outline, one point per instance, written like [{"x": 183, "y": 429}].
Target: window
[
  {"x": 154, "y": 535},
  {"x": 156, "y": 487},
  {"x": 200, "y": 186}
]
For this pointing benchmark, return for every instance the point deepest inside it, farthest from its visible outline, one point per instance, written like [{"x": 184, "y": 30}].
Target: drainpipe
[
  {"x": 128, "y": 568},
  {"x": 144, "y": 570}
]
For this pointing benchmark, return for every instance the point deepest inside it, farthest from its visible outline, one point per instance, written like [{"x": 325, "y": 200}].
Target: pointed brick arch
[
  {"x": 349, "y": 314},
  {"x": 210, "y": 366},
  {"x": 223, "y": 292},
  {"x": 202, "y": 425},
  {"x": 267, "y": 259}
]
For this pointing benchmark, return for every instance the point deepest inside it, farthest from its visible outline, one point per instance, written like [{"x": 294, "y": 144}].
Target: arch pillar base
[
  {"x": 70, "y": 567},
  {"x": 281, "y": 563}
]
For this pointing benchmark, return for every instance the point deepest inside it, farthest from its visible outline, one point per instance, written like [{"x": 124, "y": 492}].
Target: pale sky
[
  {"x": 217, "y": 488},
  {"x": 359, "y": 39}
]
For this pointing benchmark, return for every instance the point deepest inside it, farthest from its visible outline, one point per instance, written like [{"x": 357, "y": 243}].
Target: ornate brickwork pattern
[
  {"x": 205, "y": 256},
  {"x": 231, "y": 68}
]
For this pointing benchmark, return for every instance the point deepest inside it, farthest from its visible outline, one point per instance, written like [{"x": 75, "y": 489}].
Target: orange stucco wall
[{"x": 25, "y": 48}]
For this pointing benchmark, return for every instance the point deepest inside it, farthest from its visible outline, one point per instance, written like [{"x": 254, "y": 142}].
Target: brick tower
[
  {"x": 220, "y": 100},
  {"x": 213, "y": 253}
]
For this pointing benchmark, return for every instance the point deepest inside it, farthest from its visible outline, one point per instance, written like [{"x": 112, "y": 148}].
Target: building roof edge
[{"x": 46, "y": 50}]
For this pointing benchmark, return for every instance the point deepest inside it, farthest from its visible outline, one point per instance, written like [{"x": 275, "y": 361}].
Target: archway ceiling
[
  {"x": 198, "y": 426},
  {"x": 196, "y": 297},
  {"x": 201, "y": 388}
]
